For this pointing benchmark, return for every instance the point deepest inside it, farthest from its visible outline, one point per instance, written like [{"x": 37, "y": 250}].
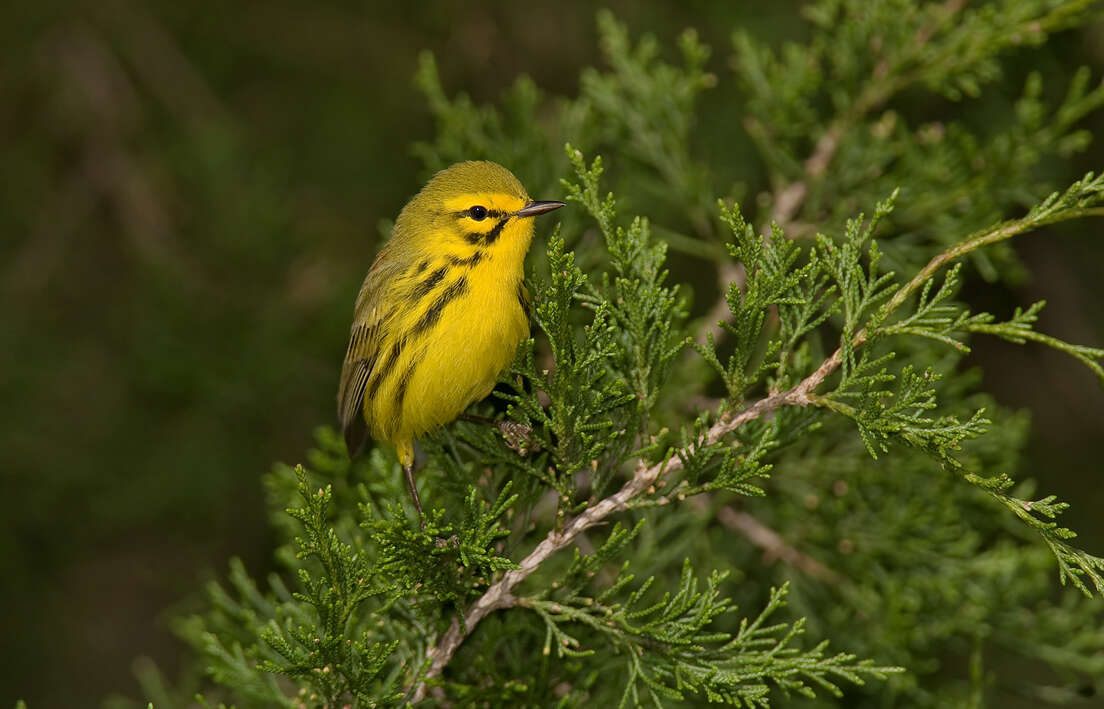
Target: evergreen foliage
[{"x": 619, "y": 548}]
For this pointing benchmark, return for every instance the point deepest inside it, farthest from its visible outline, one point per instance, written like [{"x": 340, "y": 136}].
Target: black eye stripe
[
  {"x": 492, "y": 235},
  {"x": 491, "y": 213},
  {"x": 487, "y": 237}
]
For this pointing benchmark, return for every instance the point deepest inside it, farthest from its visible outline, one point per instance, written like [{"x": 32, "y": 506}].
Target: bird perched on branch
[{"x": 441, "y": 311}]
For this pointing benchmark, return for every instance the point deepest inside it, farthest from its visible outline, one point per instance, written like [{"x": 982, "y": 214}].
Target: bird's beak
[{"x": 532, "y": 209}]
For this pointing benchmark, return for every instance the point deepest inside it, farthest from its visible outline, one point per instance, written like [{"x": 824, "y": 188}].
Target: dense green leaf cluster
[{"x": 644, "y": 444}]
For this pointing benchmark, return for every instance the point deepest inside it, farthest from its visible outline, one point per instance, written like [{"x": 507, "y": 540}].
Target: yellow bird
[{"x": 441, "y": 311}]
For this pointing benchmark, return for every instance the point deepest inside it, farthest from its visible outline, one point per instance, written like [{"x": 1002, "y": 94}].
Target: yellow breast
[{"x": 448, "y": 349}]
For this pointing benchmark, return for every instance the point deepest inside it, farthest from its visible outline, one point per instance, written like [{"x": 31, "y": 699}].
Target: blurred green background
[{"x": 191, "y": 199}]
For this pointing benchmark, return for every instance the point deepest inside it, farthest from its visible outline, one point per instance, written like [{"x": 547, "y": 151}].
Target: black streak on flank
[
  {"x": 454, "y": 291},
  {"x": 422, "y": 267},
  {"x": 470, "y": 261},
  {"x": 400, "y": 393},
  {"x": 422, "y": 289},
  {"x": 523, "y": 299},
  {"x": 474, "y": 237},
  {"x": 388, "y": 366}
]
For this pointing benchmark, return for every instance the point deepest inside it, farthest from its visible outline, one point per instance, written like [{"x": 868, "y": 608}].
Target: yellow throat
[{"x": 442, "y": 309}]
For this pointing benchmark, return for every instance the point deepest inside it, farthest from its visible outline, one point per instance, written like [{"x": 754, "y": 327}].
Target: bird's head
[{"x": 477, "y": 203}]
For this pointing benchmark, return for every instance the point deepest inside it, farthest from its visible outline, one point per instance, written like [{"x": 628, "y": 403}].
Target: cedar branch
[{"x": 499, "y": 595}]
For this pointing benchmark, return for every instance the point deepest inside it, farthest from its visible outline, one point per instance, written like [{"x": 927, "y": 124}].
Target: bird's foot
[
  {"x": 453, "y": 541},
  {"x": 518, "y": 437}
]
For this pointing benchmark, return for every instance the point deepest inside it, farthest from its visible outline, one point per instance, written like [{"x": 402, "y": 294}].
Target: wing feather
[{"x": 365, "y": 336}]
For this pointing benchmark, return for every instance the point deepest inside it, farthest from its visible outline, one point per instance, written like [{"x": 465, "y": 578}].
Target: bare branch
[
  {"x": 788, "y": 200},
  {"x": 500, "y": 594},
  {"x": 728, "y": 273},
  {"x": 773, "y": 545}
]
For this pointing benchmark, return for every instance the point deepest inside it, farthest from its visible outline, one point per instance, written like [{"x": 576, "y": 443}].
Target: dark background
[{"x": 191, "y": 198}]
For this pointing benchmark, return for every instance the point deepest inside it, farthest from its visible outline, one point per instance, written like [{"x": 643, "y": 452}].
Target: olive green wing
[{"x": 369, "y": 319}]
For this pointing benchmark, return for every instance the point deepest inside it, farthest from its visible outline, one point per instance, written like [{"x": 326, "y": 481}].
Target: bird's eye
[{"x": 478, "y": 213}]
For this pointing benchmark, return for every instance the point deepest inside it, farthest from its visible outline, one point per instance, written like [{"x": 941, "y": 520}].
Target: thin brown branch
[
  {"x": 773, "y": 545},
  {"x": 788, "y": 200},
  {"x": 500, "y": 594},
  {"x": 728, "y": 273},
  {"x": 992, "y": 235}
]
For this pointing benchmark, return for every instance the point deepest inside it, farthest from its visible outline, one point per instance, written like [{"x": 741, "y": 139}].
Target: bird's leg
[
  {"x": 517, "y": 436},
  {"x": 440, "y": 542},
  {"x": 409, "y": 470}
]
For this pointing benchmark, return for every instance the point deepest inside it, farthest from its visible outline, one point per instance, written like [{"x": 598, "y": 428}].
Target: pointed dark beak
[{"x": 532, "y": 209}]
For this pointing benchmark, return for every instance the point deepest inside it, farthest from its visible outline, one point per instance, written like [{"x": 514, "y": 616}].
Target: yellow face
[
  {"x": 443, "y": 307},
  {"x": 475, "y": 205},
  {"x": 482, "y": 217}
]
